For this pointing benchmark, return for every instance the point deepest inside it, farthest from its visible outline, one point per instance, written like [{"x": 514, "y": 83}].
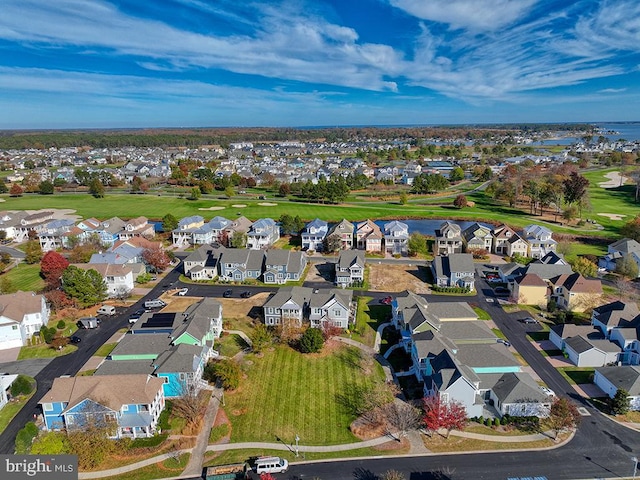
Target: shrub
[
  {"x": 311, "y": 341},
  {"x": 504, "y": 421},
  {"x": 25, "y": 437},
  {"x": 487, "y": 422},
  {"x": 21, "y": 386},
  {"x": 48, "y": 333},
  {"x": 60, "y": 325},
  {"x": 496, "y": 422},
  {"x": 226, "y": 371},
  {"x": 480, "y": 419}
]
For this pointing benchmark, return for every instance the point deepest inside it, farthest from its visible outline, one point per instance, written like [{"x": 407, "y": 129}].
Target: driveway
[{"x": 9, "y": 355}]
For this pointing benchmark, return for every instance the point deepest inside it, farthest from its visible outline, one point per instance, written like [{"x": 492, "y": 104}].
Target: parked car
[
  {"x": 183, "y": 291},
  {"x": 528, "y": 320},
  {"x": 386, "y": 300},
  {"x": 227, "y": 293},
  {"x": 246, "y": 294},
  {"x": 504, "y": 342},
  {"x": 157, "y": 303},
  {"x": 501, "y": 292},
  {"x": 75, "y": 339}
]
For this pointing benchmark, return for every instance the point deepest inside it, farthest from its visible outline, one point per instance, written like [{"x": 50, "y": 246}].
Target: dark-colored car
[
  {"x": 502, "y": 292},
  {"x": 75, "y": 339},
  {"x": 227, "y": 293},
  {"x": 528, "y": 320},
  {"x": 245, "y": 294}
]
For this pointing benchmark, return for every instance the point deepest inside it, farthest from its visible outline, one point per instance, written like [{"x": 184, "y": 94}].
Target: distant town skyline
[{"x": 204, "y": 63}]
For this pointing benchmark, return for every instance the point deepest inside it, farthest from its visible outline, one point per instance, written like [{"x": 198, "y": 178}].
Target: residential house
[
  {"x": 10, "y": 221},
  {"x": 35, "y": 222},
  {"x": 626, "y": 377},
  {"x": 202, "y": 323},
  {"x": 619, "y": 250},
  {"x": 558, "y": 334},
  {"x": 201, "y": 264},
  {"x": 576, "y": 293},
  {"x": 448, "y": 239},
  {"x": 517, "y": 246},
  {"x": 181, "y": 367},
  {"x": 517, "y": 394},
  {"x": 106, "y": 232},
  {"x": 454, "y": 270},
  {"x": 131, "y": 404},
  {"x": 614, "y": 315},
  {"x": 21, "y": 315},
  {"x": 283, "y": 266},
  {"x": 368, "y": 237},
  {"x": 350, "y": 268},
  {"x": 210, "y": 232},
  {"x": 396, "y": 238},
  {"x": 6, "y": 381},
  {"x": 183, "y": 234},
  {"x": 262, "y": 234},
  {"x": 239, "y": 226},
  {"x": 530, "y": 289},
  {"x": 477, "y": 237},
  {"x": 313, "y": 235},
  {"x": 501, "y": 236},
  {"x": 50, "y": 237},
  {"x": 118, "y": 278},
  {"x": 539, "y": 239},
  {"x": 343, "y": 234},
  {"x": 319, "y": 307},
  {"x": 240, "y": 264},
  {"x": 588, "y": 352},
  {"x": 137, "y": 227}
]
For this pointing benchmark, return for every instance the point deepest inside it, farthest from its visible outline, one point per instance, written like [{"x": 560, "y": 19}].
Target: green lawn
[
  {"x": 45, "y": 351},
  {"x": 577, "y": 375},
  {"x": 26, "y": 277},
  {"x": 482, "y": 314},
  {"x": 368, "y": 318},
  {"x": 105, "y": 350},
  {"x": 229, "y": 345},
  {"x": 12, "y": 408},
  {"x": 286, "y": 393}
]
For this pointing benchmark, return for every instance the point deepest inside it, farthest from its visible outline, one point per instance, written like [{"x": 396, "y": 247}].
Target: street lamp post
[
  {"x": 635, "y": 466},
  {"x": 297, "y": 440}
]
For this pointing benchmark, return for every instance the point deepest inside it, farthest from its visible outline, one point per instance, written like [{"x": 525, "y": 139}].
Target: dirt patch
[
  {"x": 177, "y": 304},
  {"x": 397, "y": 278},
  {"x": 239, "y": 205},
  {"x": 212, "y": 208},
  {"x": 237, "y": 308},
  {"x": 267, "y": 204}
]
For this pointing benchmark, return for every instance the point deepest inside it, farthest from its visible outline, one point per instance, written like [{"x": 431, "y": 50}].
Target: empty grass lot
[
  {"x": 578, "y": 375},
  {"x": 26, "y": 277},
  {"x": 368, "y": 318},
  {"x": 286, "y": 393}
]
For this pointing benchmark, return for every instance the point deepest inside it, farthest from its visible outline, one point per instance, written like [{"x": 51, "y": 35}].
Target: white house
[
  {"x": 118, "y": 278},
  {"x": 21, "y": 315},
  {"x": 627, "y": 377}
]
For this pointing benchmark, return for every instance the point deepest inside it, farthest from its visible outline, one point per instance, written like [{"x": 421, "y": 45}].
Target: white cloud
[
  {"x": 612, "y": 90},
  {"x": 307, "y": 49},
  {"x": 477, "y": 15}
]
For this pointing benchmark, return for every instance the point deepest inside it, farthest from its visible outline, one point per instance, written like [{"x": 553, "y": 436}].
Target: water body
[{"x": 628, "y": 131}]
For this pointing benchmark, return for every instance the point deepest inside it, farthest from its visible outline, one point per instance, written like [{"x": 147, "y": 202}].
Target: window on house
[{"x": 47, "y": 407}]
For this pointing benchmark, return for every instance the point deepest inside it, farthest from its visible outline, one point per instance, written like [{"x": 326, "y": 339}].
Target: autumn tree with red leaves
[
  {"x": 58, "y": 300},
  {"x": 51, "y": 267},
  {"x": 156, "y": 257},
  {"x": 439, "y": 414},
  {"x": 16, "y": 190}
]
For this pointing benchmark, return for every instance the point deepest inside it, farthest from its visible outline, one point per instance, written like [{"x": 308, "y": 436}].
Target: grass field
[
  {"x": 577, "y": 375},
  {"x": 368, "y": 318},
  {"x": 287, "y": 393},
  {"x": 26, "y": 277}
]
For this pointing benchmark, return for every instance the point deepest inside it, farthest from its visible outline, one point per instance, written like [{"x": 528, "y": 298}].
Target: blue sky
[{"x": 190, "y": 63}]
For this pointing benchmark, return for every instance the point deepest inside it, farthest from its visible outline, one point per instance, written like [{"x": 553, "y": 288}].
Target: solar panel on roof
[{"x": 160, "y": 320}]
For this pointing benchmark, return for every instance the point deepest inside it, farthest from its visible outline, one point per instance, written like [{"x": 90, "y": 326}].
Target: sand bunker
[
  {"x": 2, "y": 199},
  {"x": 267, "y": 204},
  {"x": 58, "y": 213},
  {"x": 240, "y": 205},
  {"x": 211, "y": 208},
  {"x": 612, "y": 216},
  {"x": 615, "y": 180}
]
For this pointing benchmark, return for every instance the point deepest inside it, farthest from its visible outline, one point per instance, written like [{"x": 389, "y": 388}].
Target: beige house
[
  {"x": 368, "y": 237},
  {"x": 530, "y": 290},
  {"x": 576, "y": 293}
]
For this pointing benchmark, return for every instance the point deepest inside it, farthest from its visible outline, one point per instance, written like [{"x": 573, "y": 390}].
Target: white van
[
  {"x": 271, "y": 465},
  {"x": 107, "y": 310},
  {"x": 157, "y": 303}
]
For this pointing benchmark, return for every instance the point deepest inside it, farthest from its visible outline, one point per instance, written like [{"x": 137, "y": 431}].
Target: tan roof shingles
[
  {"x": 16, "y": 305},
  {"x": 112, "y": 391}
]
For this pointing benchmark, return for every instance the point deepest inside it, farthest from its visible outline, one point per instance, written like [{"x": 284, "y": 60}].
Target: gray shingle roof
[
  {"x": 626, "y": 377},
  {"x": 518, "y": 388}
]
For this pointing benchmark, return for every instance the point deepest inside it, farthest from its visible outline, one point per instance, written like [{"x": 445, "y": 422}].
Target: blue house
[
  {"x": 128, "y": 405},
  {"x": 313, "y": 235}
]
